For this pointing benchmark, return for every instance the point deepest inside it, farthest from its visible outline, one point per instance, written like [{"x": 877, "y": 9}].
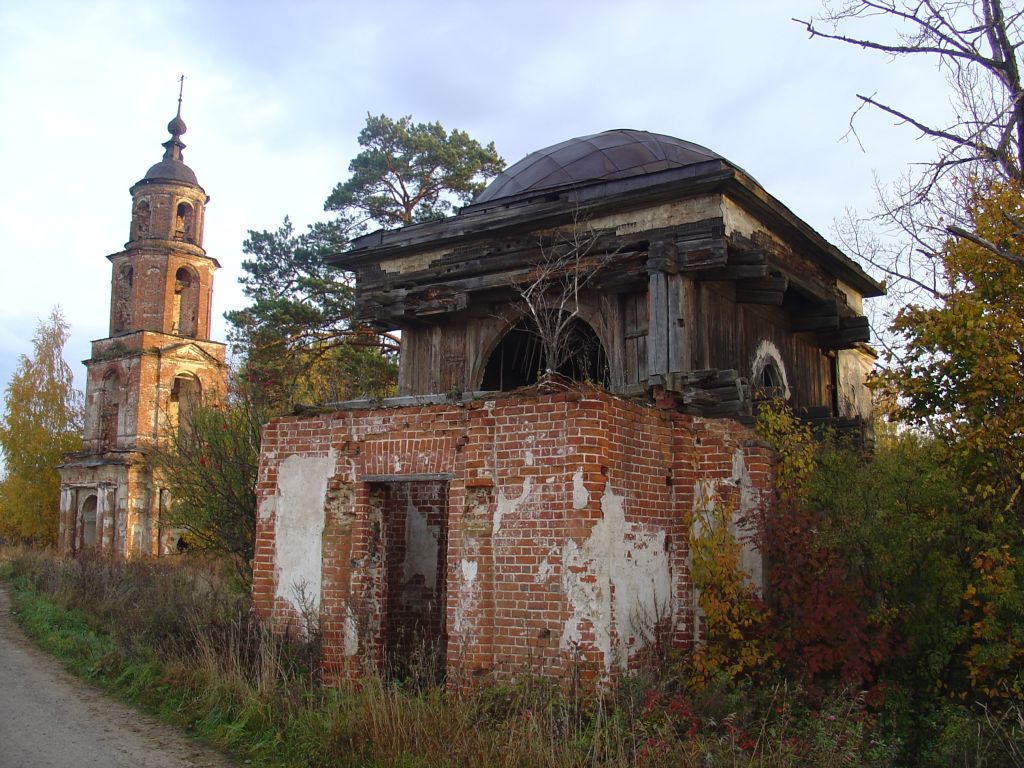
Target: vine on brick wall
[{"x": 733, "y": 620}]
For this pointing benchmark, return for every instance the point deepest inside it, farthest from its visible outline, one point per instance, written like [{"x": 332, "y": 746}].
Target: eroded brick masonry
[
  {"x": 539, "y": 531},
  {"x": 156, "y": 364}
]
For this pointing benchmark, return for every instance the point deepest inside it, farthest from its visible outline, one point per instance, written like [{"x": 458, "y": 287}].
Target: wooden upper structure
[{"x": 701, "y": 283}]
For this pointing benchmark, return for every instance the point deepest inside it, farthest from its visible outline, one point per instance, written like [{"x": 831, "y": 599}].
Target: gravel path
[{"x": 51, "y": 719}]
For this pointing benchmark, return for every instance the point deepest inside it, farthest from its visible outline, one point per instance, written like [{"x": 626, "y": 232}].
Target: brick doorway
[{"x": 414, "y": 578}]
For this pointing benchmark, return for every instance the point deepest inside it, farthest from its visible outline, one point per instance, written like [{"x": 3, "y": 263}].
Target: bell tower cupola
[{"x": 163, "y": 280}]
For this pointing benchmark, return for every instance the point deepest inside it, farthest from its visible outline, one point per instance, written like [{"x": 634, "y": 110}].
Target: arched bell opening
[
  {"x": 186, "y": 303},
  {"x": 186, "y": 393},
  {"x": 184, "y": 223},
  {"x": 518, "y": 358}
]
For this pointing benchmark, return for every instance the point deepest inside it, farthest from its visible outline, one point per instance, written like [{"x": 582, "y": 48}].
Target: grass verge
[{"x": 175, "y": 636}]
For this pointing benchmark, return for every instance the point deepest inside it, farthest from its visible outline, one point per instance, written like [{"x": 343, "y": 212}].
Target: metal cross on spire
[{"x": 181, "y": 88}]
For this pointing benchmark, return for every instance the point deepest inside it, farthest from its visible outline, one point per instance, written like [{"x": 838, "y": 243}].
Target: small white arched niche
[
  {"x": 89, "y": 522},
  {"x": 768, "y": 377}
]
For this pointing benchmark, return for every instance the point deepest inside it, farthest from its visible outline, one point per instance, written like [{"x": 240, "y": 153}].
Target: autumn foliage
[
  {"x": 41, "y": 422},
  {"x": 733, "y": 618}
]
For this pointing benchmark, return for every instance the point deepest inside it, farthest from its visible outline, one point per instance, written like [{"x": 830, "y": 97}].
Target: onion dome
[{"x": 172, "y": 167}]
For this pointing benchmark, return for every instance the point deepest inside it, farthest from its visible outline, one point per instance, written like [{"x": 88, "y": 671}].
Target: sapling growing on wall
[{"x": 567, "y": 262}]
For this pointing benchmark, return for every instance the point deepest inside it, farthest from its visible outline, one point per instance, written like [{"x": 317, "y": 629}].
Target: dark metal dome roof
[
  {"x": 171, "y": 170},
  {"x": 616, "y": 154}
]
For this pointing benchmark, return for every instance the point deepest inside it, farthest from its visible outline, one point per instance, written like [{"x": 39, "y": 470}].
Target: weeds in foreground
[{"x": 176, "y": 636}]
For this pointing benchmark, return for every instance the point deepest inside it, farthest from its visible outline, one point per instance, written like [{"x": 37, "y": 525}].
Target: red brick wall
[{"x": 568, "y": 519}]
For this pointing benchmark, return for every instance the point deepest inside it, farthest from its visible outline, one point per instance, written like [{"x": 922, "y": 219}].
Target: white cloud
[{"x": 276, "y": 93}]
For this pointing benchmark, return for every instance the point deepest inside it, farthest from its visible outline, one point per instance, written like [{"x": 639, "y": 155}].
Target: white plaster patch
[
  {"x": 580, "y": 494},
  {"x": 668, "y": 214},
  {"x": 528, "y": 458},
  {"x": 413, "y": 263},
  {"x": 623, "y": 558},
  {"x": 705, "y": 495},
  {"x": 505, "y": 506},
  {"x": 467, "y": 598},
  {"x": 299, "y": 527},
  {"x": 351, "y": 646},
  {"x": 267, "y": 508},
  {"x": 742, "y": 524}
]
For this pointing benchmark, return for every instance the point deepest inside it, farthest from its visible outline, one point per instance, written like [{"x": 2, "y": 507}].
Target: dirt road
[{"x": 51, "y": 719}]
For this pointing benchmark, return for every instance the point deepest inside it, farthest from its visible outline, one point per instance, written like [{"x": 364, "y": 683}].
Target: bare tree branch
[
  {"x": 976, "y": 45},
  {"x": 566, "y": 264},
  {"x": 986, "y": 244}
]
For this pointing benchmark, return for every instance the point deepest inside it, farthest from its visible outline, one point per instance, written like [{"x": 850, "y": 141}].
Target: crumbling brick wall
[{"x": 563, "y": 542}]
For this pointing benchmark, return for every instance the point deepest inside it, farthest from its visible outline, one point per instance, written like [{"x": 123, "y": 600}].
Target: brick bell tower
[{"x": 156, "y": 363}]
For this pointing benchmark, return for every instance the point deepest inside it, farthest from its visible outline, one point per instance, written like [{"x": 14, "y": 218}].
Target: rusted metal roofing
[{"x": 616, "y": 154}]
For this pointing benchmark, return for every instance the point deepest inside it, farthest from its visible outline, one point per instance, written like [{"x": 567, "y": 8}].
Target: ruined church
[
  {"x": 155, "y": 364},
  {"x": 502, "y": 514}
]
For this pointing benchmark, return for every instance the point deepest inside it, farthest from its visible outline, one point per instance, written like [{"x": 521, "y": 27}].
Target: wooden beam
[
  {"x": 694, "y": 253},
  {"x": 764, "y": 290},
  {"x": 851, "y": 331},
  {"x": 757, "y": 256},
  {"x": 738, "y": 272},
  {"x": 818, "y": 317}
]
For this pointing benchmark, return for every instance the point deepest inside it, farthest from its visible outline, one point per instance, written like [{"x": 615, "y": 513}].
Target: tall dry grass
[{"x": 189, "y": 648}]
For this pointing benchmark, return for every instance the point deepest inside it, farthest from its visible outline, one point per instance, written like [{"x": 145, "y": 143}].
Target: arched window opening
[
  {"x": 89, "y": 522},
  {"x": 141, "y": 219},
  {"x": 768, "y": 379},
  {"x": 185, "y": 312},
  {"x": 184, "y": 223},
  {"x": 518, "y": 359},
  {"x": 770, "y": 376},
  {"x": 110, "y": 410},
  {"x": 185, "y": 395},
  {"x": 123, "y": 299}
]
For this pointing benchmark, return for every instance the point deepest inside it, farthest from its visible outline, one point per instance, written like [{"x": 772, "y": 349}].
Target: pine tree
[{"x": 42, "y": 421}]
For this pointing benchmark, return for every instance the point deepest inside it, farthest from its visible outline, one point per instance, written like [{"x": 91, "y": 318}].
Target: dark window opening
[
  {"x": 185, "y": 317},
  {"x": 833, "y": 384},
  {"x": 768, "y": 383},
  {"x": 770, "y": 376},
  {"x": 186, "y": 393},
  {"x": 518, "y": 360},
  {"x": 184, "y": 223}
]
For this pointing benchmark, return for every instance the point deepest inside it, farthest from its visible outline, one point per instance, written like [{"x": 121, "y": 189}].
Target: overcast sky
[{"x": 276, "y": 93}]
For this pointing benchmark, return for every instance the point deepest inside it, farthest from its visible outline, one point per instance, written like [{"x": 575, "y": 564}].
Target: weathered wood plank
[
  {"x": 677, "y": 346},
  {"x": 657, "y": 330}
]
